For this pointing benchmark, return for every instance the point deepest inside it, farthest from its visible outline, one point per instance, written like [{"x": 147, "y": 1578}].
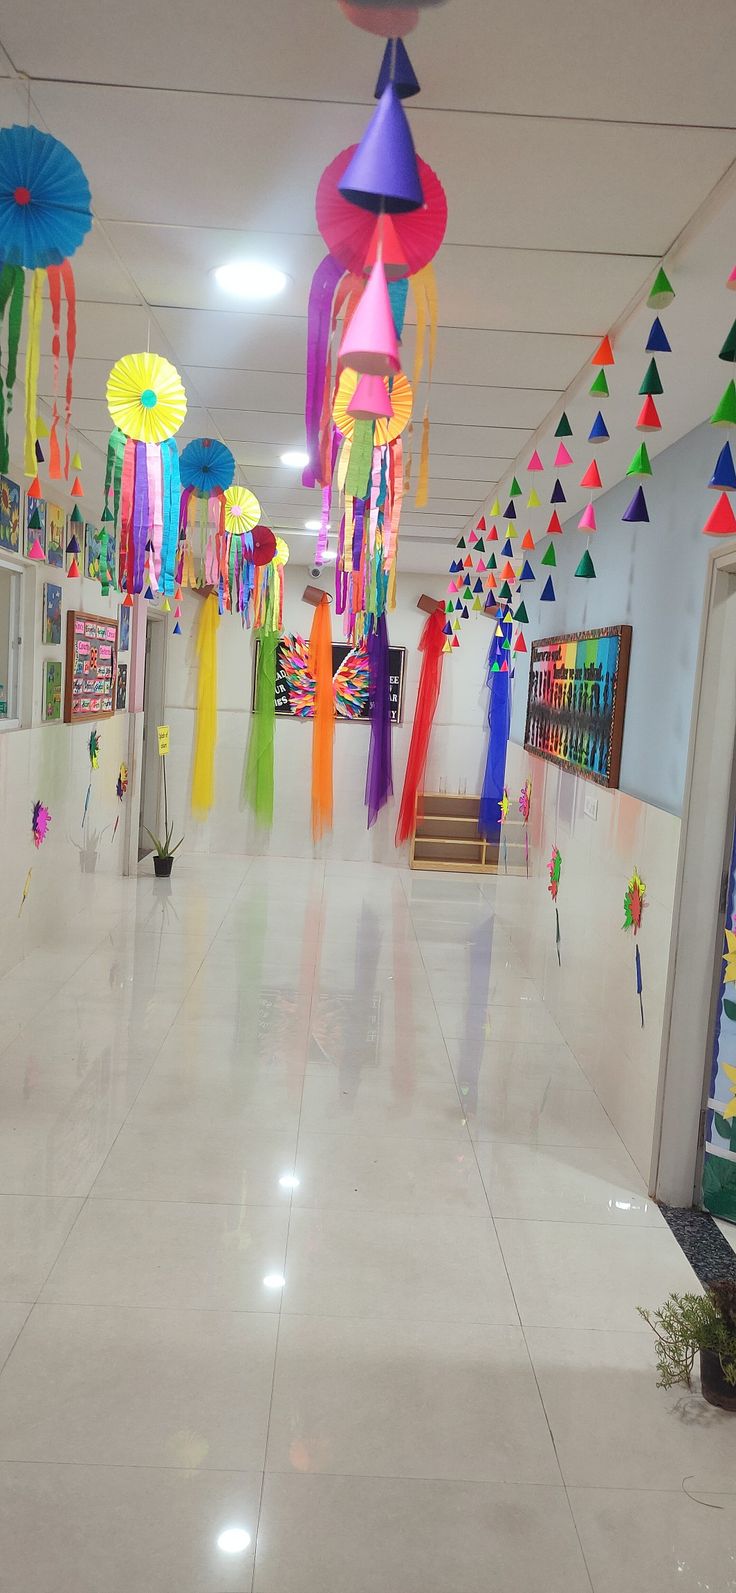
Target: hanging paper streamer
[
  {"x": 121, "y": 786},
  {"x": 634, "y": 904},
  {"x": 205, "y": 739},
  {"x": 431, "y": 646},
  {"x": 93, "y": 749},
  {"x": 525, "y": 808},
  {"x": 554, "y": 868},
  {"x": 147, "y": 405},
  {"x": 40, "y": 821},
  {"x": 379, "y": 781},
  {"x": 258, "y": 780},
  {"x": 323, "y": 728},
  {"x": 499, "y": 720},
  {"x": 45, "y": 213},
  {"x": 206, "y": 471}
]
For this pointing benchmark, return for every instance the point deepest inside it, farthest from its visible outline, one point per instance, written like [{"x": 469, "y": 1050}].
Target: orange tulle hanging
[{"x": 323, "y": 727}]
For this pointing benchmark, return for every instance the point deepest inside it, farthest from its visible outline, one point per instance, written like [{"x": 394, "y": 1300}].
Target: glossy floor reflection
[{"x": 319, "y": 1260}]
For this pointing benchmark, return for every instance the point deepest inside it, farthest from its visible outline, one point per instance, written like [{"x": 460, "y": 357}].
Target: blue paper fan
[
  {"x": 44, "y": 199},
  {"x": 207, "y": 466}
]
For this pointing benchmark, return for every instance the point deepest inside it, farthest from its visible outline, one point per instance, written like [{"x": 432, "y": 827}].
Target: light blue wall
[{"x": 650, "y": 577}]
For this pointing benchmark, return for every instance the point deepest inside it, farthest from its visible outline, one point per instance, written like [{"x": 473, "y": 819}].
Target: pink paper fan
[
  {"x": 39, "y": 823},
  {"x": 348, "y": 231}
]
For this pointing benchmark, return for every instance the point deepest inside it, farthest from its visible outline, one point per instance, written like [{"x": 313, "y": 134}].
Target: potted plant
[
  {"x": 163, "y": 853},
  {"x": 704, "y": 1324}
]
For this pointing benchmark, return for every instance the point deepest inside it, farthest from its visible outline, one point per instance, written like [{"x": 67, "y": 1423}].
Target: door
[
  {"x": 153, "y": 714},
  {"x": 718, "y": 1143}
]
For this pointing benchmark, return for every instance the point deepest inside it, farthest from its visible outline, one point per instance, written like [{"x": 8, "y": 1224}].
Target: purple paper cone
[
  {"x": 637, "y": 511},
  {"x": 383, "y": 172},
  {"x": 396, "y": 68}
]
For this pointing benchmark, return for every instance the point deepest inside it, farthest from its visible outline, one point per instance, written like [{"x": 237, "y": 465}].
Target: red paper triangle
[
  {"x": 77, "y": 490},
  {"x": 520, "y": 645},
  {"x": 648, "y": 418},
  {"x": 592, "y": 477},
  {"x": 481, "y": 526},
  {"x": 493, "y": 534},
  {"x": 721, "y": 521},
  {"x": 604, "y": 353},
  {"x": 127, "y": 601},
  {"x": 554, "y": 529},
  {"x": 527, "y": 541},
  {"x": 72, "y": 573},
  {"x": 34, "y": 491}
]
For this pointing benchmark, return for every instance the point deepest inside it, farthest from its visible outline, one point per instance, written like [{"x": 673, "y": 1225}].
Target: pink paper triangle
[
  {"x": 562, "y": 457},
  {"x": 535, "y": 462}
]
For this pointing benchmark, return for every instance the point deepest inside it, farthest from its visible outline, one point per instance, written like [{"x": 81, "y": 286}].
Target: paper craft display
[
  {"x": 147, "y": 404},
  {"x": 51, "y": 691},
  {"x": 51, "y": 630},
  {"x": 634, "y": 904},
  {"x": 55, "y": 535},
  {"x": 719, "y": 1167},
  {"x": 121, "y": 688},
  {"x": 91, "y": 666},
  {"x": 577, "y": 699},
  {"x": 35, "y": 527},
  {"x": 554, "y": 869},
  {"x": 294, "y": 696},
  {"x": 9, "y": 515}
]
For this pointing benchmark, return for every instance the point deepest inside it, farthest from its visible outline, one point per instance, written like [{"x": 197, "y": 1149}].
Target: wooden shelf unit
[{"x": 446, "y": 838}]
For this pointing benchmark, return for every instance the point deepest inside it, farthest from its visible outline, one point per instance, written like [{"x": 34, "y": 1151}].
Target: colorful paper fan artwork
[
  {"x": 242, "y": 510},
  {"x": 147, "y": 404},
  {"x": 94, "y": 749},
  {"x": 206, "y": 466},
  {"x": 351, "y": 684},
  {"x": 294, "y": 659},
  {"x": 384, "y": 431},
  {"x": 634, "y": 904},
  {"x": 554, "y": 868},
  {"x": 352, "y": 235},
  {"x": 45, "y": 214},
  {"x": 40, "y": 821}
]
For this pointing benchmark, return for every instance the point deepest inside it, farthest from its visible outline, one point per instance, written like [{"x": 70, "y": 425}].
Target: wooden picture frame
[
  {"x": 90, "y": 674},
  {"x": 576, "y": 702}
]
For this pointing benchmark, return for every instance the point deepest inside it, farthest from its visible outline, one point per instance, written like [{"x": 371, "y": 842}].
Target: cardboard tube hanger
[
  {"x": 314, "y": 595},
  {"x": 428, "y": 605}
]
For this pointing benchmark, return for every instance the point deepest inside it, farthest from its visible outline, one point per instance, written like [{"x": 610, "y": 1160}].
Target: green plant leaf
[
  {"x": 723, "y": 1127},
  {"x": 729, "y": 1008}
]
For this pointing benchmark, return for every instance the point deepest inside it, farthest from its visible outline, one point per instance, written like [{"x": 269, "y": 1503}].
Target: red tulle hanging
[{"x": 431, "y": 644}]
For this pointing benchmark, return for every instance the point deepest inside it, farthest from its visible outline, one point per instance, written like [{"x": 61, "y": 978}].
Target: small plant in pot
[
  {"x": 698, "y": 1324},
  {"x": 163, "y": 853}
]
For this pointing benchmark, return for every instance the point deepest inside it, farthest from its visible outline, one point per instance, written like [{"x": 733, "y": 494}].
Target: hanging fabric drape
[
  {"x": 323, "y": 725},
  {"x": 203, "y": 770},
  {"x": 431, "y": 644},
  {"x": 258, "y": 780},
  {"x": 499, "y": 721},
  {"x": 379, "y": 781}
]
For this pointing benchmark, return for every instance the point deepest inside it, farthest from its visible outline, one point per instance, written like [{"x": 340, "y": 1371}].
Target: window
[{"x": 10, "y": 598}]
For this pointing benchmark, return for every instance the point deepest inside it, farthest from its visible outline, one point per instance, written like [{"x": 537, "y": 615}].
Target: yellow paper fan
[
  {"x": 385, "y": 431},
  {"x": 242, "y": 510},
  {"x": 281, "y": 555},
  {"x": 146, "y": 398}
]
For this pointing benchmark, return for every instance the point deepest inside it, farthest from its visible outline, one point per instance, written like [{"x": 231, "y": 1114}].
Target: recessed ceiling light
[
  {"x": 312, "y": 525},
  {"x": 274, "y": 1280},
  {"x": 233, "y": 1540},
  {"x": 289, "y": 1181},
  {"x": 295, "y": 457},
  {"x": 250, "y": 279}
]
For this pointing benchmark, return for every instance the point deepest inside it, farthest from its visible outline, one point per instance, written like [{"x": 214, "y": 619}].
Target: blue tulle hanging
[
  {"x": 499, "y": 724},
  {"x": 207, "y": 466},
  {"x": 45, "y": 202}
]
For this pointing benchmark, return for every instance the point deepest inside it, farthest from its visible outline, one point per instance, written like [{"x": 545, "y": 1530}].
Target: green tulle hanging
[{"x": 258, "y": 778}]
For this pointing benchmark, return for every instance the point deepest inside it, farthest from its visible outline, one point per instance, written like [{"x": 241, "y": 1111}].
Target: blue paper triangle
[
  {"x": 527, "y": 573},
  {"x": 547, "y": 594},
  {"x": 478, "y": 585},
  {"x": 507, "y": 551},
  {"x": 724, "y": 474},
  {"x": 599, "y": 430},
  {"x": 657, "y": 342}
]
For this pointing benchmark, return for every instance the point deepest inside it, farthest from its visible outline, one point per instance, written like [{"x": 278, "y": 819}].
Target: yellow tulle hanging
[{"x": 203, "y": 771}]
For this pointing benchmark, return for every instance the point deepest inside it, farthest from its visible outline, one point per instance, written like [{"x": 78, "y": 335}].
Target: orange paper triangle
[
  {"x": 527, "y": 540},
  {"x": 77, "y": 490},
  {"x": 34, "y": 491},
  {"x": 604, "y": 353}
]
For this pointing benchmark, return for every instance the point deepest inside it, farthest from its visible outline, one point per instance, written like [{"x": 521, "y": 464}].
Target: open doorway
[
  {"x": 702, "y": 894},
  {"x": 153, "y": 713}
]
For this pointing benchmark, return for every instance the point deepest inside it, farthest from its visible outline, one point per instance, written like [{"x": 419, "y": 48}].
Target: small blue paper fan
[
  {"x": 45, "y": 202},
  {"x": 206, "y": 466}
]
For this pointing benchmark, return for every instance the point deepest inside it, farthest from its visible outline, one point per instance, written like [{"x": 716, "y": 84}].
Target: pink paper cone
[
  {"x": 371, "y": 401},
  {"x": 562, "y": 457},
  {"x": 369, "y": 345},
  {"x": 587, "y": 519}
]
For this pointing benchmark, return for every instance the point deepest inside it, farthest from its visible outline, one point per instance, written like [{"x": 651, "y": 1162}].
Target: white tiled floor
[{"x": 344, "y": 1077}]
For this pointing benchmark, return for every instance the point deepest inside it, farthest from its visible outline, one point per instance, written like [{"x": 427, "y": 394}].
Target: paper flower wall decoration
[
  {"x": 94, "y": 749},
  {"x": 525, "y": 808},
  {"x": 634, "y": 904},
  {"x": 147, "y": 405},
  {"x": 45, "y": 213},
  {"x": 242, "y": 510},
  {"x": 40, "y": 821},
  {"x": 554, "y": 868},
  {"x": 121, "y": 784}
]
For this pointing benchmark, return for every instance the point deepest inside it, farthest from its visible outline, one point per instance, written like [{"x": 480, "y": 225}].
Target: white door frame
[{"x": 705, "y": 846}]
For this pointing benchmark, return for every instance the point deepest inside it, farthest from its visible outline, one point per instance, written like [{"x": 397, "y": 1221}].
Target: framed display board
[
  {"x": 577, "y": 700},
  {"x": 350, "y": 678},
  {"x": 91, "y": 666}
]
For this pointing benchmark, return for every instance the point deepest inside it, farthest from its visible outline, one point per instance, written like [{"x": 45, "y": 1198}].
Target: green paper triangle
[
  {"x": 586, "y": 568},
  {"x": 462, "y": 543},
  {"x": 76, "y": 515},
  {"x": 728, "y": 352},
  {"x": 492, "y": 562},
  {"x": 563, "y": 428},
  {"x": 34, "y": 524},
  {"x": 550, "y": 557},
  {"x": 506, "y": 645},
  {"x": 652, "y": 382},
  {"x": 495, "y": 668},
  {"x": 505, "y": 593},
  {"x": 640, "y": 465},
  {"x": 599, "y": 387},
  {"x": 107, "y": 515},
  {"x": 725, "y": 412},
  {"x": 480, "y": 546},
  {"x": 521, "y": 616},
  {"x": 661, "y": 292},
  {"x": 514, "y": 489}
]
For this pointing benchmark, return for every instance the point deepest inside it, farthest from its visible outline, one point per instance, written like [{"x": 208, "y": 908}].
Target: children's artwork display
[
  {"x": 55, "y": 535},
  {"x": 51, "y": 629},
  {"x": 91, "y": 666},
  {"x": 9, "y": 515},
  {"x": 295, "y": 684},
  {"x": 124, "y": 631},
  {"x": 121, "y": 688},
  {"x": 36, "y": 531},
  {"x": 577, "y": 700},
  {"x": 94, "y": 543},
  {"x": 51, "y": 691}
]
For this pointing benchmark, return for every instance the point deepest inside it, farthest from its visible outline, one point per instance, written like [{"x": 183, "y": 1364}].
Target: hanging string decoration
[
  {"x": 45, "y": 214},
  {"x": 379, "y": 778},
  {"x": 206, "y": 470},
  {"x": 554, "y": 869},
  {"x": 634, "y": 904},
  {"x": 147, "y": 405},
  {"x": 660, "y": 295},
  {"x": 721, "y": 521}
]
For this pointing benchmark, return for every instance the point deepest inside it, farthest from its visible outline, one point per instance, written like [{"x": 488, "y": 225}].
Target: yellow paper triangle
[
  {"x": 42, "y": 429},
  {"x": 532, "y": 501},
  {"x": 495, "y": 507}
]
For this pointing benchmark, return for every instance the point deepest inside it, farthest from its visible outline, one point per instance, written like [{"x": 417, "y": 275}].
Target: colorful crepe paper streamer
[
  {"x": 323, "y": 727},
  {"x": 431, "y": 645},
  {"x": 555, "y": 872},
  {"x": 205, "y": 739},
  {"x": 258, "y": 780},
  {"x": 634, "y": 904}
]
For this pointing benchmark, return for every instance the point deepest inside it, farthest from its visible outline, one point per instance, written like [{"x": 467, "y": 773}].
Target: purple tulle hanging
[{"x": 379, "y": 782}]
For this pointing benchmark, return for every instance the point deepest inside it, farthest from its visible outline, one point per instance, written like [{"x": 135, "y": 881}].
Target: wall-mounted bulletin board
[
  {"x": 294, "y": 698},
  {"x": 91, "y": 666},
  {"x": 577, "y": 699}
]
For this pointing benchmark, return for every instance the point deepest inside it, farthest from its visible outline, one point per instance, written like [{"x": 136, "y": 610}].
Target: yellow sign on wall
[{"x": 162, "y": 731}]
